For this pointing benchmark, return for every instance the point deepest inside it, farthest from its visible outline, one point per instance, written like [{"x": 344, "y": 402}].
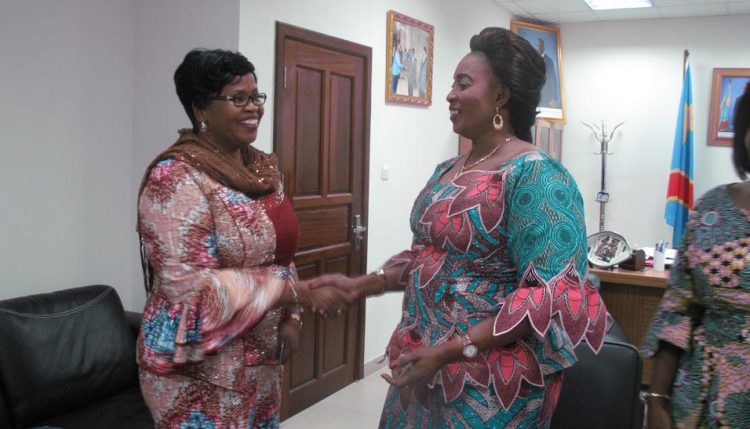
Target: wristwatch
[{"x": 470, "y": 349}]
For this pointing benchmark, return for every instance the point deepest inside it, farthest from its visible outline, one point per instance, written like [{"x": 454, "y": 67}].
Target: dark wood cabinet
[{"x": 632, "y": 298}]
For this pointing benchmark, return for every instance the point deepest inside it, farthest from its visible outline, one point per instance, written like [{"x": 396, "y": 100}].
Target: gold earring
[
  {"x": 204, "y": 127},
  {"x": 497, "y": 120}
]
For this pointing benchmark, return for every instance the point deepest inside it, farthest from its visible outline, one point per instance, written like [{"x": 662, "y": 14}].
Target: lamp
[{"x": 617, "y": 4}]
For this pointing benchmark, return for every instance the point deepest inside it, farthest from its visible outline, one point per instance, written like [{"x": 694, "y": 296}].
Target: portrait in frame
[
  {"x": 728, "y": 85},
  {"x": 408, "y": 64},
  {"x": 546, "y": 40}
]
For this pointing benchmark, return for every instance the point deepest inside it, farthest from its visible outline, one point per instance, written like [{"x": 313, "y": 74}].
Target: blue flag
[{"x": 680, "y": 189}]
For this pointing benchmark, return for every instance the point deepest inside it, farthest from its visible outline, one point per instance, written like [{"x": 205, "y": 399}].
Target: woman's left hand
[
  {"x": 289, "y": 337},
  {"x": 415, "y": 368}
]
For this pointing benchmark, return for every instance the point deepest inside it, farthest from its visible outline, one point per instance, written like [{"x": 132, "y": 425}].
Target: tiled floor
[{"x": 358, "y": 405}]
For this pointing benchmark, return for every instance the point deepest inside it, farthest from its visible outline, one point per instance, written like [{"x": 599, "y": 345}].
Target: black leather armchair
[
  {"x": 602, "y": 391},
  {"x": 67, "y": 359}
]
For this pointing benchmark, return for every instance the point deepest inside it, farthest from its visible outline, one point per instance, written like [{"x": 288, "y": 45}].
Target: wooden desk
[{"x": 632, "y": 298}]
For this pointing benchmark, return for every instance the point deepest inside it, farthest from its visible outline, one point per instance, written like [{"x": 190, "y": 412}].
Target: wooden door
[{"x": 321, "y": 135}]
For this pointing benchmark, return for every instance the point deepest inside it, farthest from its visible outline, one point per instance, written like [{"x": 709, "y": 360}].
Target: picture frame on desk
[{"x": 607, "y": 249}]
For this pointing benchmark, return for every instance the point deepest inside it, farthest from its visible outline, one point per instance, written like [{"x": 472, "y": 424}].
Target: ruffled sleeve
[
  {"x": 678, "y": 310},
  {"x": 405, "y": 262},
  {"x": 547, "y": 243},
  {"x": 198, "y": 305}
]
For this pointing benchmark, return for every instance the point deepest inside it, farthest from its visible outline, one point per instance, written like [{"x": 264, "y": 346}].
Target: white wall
[
  {"x": 411, "y": 151},
  {"x": 631, "y": 71},
  {"x": 66, "y": 79},
  {"x": 87, "y": 101},
  {"x": 165, "y": 31}
]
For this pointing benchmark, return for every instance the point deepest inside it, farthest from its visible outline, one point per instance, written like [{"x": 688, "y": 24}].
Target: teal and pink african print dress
[
  {"x": 706, "y": 313},
  {"x": 510, "y": 244}
]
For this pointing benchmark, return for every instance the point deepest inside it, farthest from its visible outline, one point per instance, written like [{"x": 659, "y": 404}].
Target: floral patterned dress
[
  {"x": 208, "y": 346},
  {"x": 706, "y": 312},
  {"x": 509, "y": 243}
]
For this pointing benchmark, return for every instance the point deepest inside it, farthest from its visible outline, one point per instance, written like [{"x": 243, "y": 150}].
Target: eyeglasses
[{"x": 241, "y": 100}]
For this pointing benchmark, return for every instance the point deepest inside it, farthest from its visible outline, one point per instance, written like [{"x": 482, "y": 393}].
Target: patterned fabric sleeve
[
  {"x": 547, "y": 242},
  {"x": 404, "y": 261},
  {"x": 197, "y": 306},
  {"x": 678, "y": 309}
]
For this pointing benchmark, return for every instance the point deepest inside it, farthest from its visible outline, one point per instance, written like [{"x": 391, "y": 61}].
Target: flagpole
[{"x": 685, "y": 56}]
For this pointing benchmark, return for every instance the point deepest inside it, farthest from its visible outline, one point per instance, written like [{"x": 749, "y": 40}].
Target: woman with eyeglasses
[{"x": 217, "y": 240}]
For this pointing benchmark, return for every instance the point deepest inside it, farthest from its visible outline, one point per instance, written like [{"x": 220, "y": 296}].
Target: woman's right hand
[
  {"x": 350, "y": 286},
  {"x": 326, "y": 301},
  {"x": 659, "y": 416}
]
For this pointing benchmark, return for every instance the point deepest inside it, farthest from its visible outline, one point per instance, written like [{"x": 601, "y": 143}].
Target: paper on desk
[{"x": 669, "y": 255}]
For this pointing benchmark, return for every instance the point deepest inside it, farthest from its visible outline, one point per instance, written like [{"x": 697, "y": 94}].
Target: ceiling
[{"x": 561, "y": 11}]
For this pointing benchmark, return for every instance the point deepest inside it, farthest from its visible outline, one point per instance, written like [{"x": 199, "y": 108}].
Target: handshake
[{"x": 329, "y": 295}]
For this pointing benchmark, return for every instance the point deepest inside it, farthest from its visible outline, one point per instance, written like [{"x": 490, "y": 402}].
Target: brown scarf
[{"x": 256, "y": 175}]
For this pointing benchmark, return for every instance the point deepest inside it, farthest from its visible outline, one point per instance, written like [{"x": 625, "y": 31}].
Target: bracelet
[
  {"x": 646, "y": 395},
  {"x": 295, "y": 297},
  {"x": 297, "y": 318},
  {"x": 380, "y": 274}
]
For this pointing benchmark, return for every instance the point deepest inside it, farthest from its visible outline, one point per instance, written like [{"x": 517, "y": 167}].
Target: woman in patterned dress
[
  {"x": 496, "y": 288},
  {"x": 217, "y": 240},
  {"x": 700, "y": 336}
]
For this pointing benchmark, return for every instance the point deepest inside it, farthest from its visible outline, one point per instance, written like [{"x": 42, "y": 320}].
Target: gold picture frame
[
  {"x": 408, "y": 65},
  {"x": 727, "y": 86},
  {"x": 546, "y": 40}
]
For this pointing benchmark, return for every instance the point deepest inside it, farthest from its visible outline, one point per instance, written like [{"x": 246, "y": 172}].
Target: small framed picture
[
  {"x": 408, "y": 63},
  {"x": 546, "y": 40},
  {"x": 607, "y": 248},
  {"x": 727, "y": 86}
]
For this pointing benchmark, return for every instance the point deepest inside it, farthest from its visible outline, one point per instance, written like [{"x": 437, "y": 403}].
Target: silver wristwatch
[{"x": 470, "y": 349}]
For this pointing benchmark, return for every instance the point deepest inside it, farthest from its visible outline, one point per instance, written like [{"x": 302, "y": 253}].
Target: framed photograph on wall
[
  {"x": 546, "y": 40},
  {"x": 408, "y": 63},
  {"x": 727, "y": 86}
]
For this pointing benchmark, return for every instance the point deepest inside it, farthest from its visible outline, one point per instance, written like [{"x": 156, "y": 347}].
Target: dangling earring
[
  {"x": 204, "y": 127},
  {"x": 497, "y": 120}
]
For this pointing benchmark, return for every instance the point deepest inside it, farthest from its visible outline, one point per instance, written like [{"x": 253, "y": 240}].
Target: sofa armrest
[
  {"x": 5, "y": 421},
  {"x": 134, "y": 321},
  {"x": 63, "y": 350}
]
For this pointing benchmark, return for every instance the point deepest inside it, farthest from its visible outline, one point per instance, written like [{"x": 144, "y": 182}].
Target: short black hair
[
  {"x": 203, "y": 73},
  {"x": 520, "y": 68},
  {"x": 741, "y": 125}
]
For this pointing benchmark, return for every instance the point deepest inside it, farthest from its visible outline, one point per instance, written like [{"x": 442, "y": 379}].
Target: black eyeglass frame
[{"x": 258, "y": 99}]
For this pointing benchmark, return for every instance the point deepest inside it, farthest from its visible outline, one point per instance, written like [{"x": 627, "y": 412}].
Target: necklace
[{"x": 484, "y": 158}]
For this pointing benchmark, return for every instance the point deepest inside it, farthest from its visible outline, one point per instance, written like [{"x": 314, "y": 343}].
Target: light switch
[{"x": 385, "y": 171}]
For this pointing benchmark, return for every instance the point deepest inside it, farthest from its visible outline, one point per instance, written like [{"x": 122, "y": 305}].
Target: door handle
[{"x": 358, "y": 230}]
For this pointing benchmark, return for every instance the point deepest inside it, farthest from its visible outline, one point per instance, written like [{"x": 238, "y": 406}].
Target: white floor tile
[{"x": 357, "y": 405}]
